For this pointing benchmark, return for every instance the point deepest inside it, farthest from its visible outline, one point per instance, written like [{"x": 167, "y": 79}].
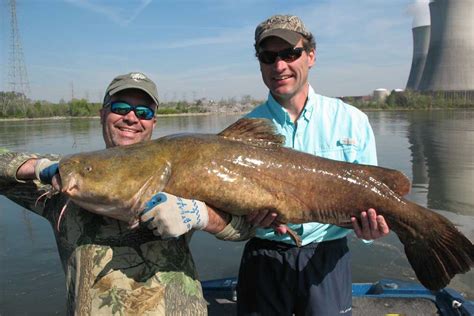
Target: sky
[{"x": 197, "y": 49}]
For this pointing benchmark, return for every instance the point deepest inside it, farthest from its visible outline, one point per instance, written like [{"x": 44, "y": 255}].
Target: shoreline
[
  {"x": 98, "y": 117},
  {"x": 217, "y": 113}
]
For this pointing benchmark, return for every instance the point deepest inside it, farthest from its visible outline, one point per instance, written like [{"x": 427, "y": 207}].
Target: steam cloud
[{"x": 421, "y": 12}]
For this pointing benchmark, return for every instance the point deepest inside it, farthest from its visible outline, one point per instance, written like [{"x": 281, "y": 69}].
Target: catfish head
[{"x": 107, "y": 183}]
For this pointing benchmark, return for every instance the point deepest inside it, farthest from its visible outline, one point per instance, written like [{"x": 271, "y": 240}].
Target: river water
[{"x": 433, "y": 148}]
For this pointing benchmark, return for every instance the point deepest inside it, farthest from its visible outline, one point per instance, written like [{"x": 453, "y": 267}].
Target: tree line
[
  {"x": 17, "y": 105},
  {"x": 409, "y": 99}
]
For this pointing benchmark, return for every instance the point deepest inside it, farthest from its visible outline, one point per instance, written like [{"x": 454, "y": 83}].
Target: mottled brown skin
[{"x": 244, "y": 168}]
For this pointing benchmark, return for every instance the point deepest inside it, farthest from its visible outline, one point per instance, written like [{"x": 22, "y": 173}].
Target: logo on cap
[{"x": 137, "y": 76}]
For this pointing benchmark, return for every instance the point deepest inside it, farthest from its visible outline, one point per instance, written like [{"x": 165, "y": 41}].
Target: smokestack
[{"x": 450, "y": 61}]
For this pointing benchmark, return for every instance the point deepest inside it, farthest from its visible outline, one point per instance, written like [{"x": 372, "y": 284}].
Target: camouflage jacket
[{"x": 110, "y": 269}]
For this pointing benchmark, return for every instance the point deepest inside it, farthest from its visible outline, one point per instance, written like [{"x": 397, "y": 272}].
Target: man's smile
[
  {"x": 282, "y": 77},
  {"x": 128, "y": 130}
]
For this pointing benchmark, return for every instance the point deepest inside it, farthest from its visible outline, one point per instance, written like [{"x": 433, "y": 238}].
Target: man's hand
[
  {"x": 266, "y": 219},
  {"x": 47, "y": 172},
  {"x": 372, "y": 226},
  {"x": 171, "y": 216},
  {"x": 45, "y": 169}
]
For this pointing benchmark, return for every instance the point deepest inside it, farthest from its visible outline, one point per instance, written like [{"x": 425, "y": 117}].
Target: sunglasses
[
  {"x": 287, "y": 55},
  {"x": 141, "y": 111}
]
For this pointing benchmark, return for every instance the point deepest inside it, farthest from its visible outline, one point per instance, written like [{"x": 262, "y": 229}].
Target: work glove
[
  {"x": 45, "y": 170},
  {"x": 171, "y": 216}
]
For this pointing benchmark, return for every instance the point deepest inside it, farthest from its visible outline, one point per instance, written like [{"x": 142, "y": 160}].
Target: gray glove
[{"x": 171, "y": 216}]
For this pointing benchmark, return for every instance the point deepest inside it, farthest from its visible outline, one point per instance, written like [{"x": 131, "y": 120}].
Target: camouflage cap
[
  {"x": 287, "y": 27},
  {"x": 132, "y": 80}
]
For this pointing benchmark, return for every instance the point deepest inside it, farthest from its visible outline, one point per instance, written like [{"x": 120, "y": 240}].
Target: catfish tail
[{"x": 439, "y": 253}]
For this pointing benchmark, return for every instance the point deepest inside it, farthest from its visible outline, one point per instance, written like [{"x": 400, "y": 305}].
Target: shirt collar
[
  {"x": 311, "y": 104},
  {"x": 278, "y": 112},
  {"x": 281, "y": 114}
]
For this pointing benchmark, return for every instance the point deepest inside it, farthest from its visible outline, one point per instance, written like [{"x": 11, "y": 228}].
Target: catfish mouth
[
  {"x": 80, "y": 190},
  {"x": 101, "y": 205},
  {"x": 70, "y": 186},
  {"x": 107, "y": 209}
]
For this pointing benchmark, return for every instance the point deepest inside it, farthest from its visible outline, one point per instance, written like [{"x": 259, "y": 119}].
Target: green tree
[{"x": 79, "y": 107}]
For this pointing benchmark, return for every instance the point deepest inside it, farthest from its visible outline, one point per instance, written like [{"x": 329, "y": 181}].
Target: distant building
[
  {"x": 447, "y": 64},
  {"x": 357, "y": 98},
  {"x": 379, "y": 95}
]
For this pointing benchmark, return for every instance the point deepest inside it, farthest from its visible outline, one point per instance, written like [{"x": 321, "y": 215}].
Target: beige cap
[
  {"x": 287, "y": 27},
  {"x": 133, "y": 80}
]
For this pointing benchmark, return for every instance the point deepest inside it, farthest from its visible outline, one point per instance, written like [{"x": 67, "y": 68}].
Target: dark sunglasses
[
  {"x": 123, "y": 108},
  {"x": 287, "y": 55}
]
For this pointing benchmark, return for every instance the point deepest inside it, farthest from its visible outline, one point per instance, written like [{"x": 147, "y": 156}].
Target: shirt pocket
[{"x": 343, "y": 150}]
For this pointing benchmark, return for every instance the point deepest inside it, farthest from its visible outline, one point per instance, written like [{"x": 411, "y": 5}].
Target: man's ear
[
  {"x": 102, "y": 113},
  {"x": 312, "y": 58}
]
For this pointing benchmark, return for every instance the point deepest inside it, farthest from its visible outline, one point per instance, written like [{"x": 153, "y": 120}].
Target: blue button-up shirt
[{"x": 328, "y": 128}]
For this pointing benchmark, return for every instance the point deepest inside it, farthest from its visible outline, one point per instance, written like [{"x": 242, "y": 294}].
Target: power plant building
[
  {"x": 421, "y": 43},
  {"x": 380, "y": 95},
  {"x": 449, "y": 58}
]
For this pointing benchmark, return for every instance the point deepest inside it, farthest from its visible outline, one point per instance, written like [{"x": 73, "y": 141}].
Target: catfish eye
[{"x": 88, "y": 169}]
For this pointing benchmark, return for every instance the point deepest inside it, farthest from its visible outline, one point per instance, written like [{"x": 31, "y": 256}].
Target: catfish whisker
[
  {"x": 61, "y": 215},
  {"x": 48, "y": 194}
]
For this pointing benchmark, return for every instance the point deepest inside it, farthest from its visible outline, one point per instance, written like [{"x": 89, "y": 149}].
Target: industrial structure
[
  {"x": 17, "y": 75},
  {"x": 380, "y": 94},
  {"x": 421, "y": 43},
  {"x": 449, "y": 58}
]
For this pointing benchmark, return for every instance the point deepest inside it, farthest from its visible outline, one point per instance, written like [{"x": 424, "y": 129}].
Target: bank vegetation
[{"x": 15, "y": 105}]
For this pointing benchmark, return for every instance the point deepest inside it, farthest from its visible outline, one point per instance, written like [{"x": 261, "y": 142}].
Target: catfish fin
[
  {"x": 294, "y": 235},
  {"x": 394, "y": 179},
  {"x": 254, "y": 131},
  {"x": 161, "y": 178},
  {"x": 154, "y": 184}
]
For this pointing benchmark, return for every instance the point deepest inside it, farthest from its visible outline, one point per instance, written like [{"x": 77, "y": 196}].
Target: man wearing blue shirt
[{"x": 276, "y": 277}]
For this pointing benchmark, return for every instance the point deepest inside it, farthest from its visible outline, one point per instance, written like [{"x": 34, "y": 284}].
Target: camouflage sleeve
[
  {"x": 24, "y": 193},
  {"x": 237, "y": 230}
]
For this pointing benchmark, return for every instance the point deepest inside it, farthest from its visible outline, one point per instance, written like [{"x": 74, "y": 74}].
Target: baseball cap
[
  {"x": 287, "y": 27},
  {"x": 132, "y": 80}
]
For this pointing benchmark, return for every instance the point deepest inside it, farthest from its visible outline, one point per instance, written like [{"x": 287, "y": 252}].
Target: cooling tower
[
  {"x": 450, "y": 61},
  {"x": 421, "y": 43}
]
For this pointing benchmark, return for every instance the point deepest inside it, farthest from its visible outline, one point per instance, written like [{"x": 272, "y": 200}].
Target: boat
[{"x": 384, "y": 297}]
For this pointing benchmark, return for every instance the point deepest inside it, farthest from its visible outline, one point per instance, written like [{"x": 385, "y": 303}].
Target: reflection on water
[
  {"x": 76, "y": 135},
  {"x": 443, "y": 157},
  {"x": 434, "y": 148}
]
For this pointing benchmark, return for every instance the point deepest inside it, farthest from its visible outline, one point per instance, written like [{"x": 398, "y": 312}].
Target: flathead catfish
[{"x": 245, "y": 168}]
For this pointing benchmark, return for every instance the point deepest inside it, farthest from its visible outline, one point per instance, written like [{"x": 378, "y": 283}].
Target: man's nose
[
  {"x": 280, "y": 63},
  {"x": 130, "y": 117}
]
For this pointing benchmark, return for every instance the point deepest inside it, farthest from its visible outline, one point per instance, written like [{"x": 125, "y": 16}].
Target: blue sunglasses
[{"x": 123, "y": 108}]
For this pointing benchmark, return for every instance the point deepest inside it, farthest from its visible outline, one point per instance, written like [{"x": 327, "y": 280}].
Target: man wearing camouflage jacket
[{"x": 109, "y": 268}]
